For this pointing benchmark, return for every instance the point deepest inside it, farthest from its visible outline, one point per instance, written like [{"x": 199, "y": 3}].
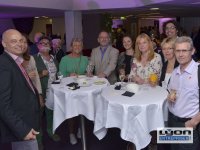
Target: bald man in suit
[
  {"x": 104, "y": 58},
  {"x": 19, "y": 101}
]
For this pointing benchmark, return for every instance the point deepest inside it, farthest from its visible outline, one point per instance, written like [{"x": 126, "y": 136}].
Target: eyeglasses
[
  {"x": 182, "y": 51},
  {"x": 170, "y": 28}
]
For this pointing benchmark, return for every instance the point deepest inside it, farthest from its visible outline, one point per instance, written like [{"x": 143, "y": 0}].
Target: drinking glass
[
  {"x": 90, "y": 69},
  {"x": 60, "y": 76},
  {"x": 130, "y": 77},
  {"x": 121, "y": 78}
]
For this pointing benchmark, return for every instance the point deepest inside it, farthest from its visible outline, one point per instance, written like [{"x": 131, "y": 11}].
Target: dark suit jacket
[
  {"x": 19, "y": 105},
  {"x": 164, "y": 69}
]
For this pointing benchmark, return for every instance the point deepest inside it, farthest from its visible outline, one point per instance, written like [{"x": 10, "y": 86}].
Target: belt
[{"x": 178, "y": 118}]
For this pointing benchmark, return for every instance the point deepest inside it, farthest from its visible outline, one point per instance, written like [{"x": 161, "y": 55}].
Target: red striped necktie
[{"x": 26, "y": 76}]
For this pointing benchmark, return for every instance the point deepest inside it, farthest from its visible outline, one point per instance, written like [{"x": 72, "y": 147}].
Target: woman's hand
[
  {"x": 138, "y": 80},
  {"x": 45, "y": 72},
  {"x": 73, "y": 74},
  {"x": 89, "y": 74}
]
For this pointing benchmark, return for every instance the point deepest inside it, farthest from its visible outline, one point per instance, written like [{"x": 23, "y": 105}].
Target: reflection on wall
[
  {"x": 5, "y": 24},
  {"x": 58, "y": 26},
  {"x": 117, "y": 23},
  {"x": 163, "y": 20}
]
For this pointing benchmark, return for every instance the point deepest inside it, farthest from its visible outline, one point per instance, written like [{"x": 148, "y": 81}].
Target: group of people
[{"x": 27, "y": 79}]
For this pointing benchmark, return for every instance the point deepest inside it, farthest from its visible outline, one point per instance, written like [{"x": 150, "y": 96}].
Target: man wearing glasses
[
  {"x": 183, "y": 99},
  {"x": 104, "y": 58}
]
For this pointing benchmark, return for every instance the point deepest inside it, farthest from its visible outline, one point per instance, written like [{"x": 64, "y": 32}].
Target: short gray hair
[{"x": 185, "y": 39}]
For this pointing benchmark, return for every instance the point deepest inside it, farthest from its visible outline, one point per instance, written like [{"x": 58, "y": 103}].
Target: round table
[
  {"x": 135, "y": 116},
  {"x": 67, "y": 103}
]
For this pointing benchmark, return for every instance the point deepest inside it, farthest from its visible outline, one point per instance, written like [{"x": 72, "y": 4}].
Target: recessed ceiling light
[
  {"x": 154, "y": 8},
  {"x": 122, "y": 18},
  {"x": 45, "y": 17},
  {"x": 36, "y": 17}
]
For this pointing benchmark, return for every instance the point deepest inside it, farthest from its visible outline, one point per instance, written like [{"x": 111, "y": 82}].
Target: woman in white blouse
[{"x": 145, "y": 61}]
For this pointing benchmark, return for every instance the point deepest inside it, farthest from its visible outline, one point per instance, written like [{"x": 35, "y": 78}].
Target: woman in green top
[{"x": 74, "y": 64}]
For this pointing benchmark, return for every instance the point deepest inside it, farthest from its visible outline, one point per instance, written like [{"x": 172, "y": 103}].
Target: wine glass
[
  {"x": 122, "y": 75},
  {"x": 60, "y": 76},
  {"x": 90, "y": 69},
  {"x": 130, "y": 78}
]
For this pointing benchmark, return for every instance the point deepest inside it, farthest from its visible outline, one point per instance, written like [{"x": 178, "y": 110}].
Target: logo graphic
[{"x": 175, "y": 135}]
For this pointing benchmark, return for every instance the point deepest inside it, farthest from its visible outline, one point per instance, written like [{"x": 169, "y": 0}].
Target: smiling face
[
  {"x": 183, "y": 53},
  {"x": 127, "y": 43},
  {"x": 44, "y": 45},
  {"x": 143, "y": 45},
  {"x": 170, "y": 30},
  {"x": 12, "y": 41},
  {"x": 25, "y": 44},
  {"x": 168, "y": 51},
  {"x": 77, "y": 47},
  {"x": 103, "y": 39}
]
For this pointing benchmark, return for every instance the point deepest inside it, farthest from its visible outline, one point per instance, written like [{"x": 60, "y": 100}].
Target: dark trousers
[{"x": 174, "y": 121}]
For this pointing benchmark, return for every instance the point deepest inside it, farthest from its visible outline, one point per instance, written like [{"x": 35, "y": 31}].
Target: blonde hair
[
  {"x": 76, "y": 40},
  {"x": 138, "y": 53},
  {"x": 169, "y": 41}
]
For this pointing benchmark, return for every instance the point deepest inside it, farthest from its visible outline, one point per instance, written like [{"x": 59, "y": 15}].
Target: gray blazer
[{"x": 108, "y": 64}]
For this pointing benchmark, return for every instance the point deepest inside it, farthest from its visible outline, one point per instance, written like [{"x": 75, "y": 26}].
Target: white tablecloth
[
  {"x": 68, "y": 103},
  {"x": 135, "y": 116}
]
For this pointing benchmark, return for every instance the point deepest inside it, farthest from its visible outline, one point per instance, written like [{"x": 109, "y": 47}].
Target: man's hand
[
  {"x": 42, "y": 102},
  {"x": 31, "y": 135},
  {"x": 193, "y": 122},
  {"x": 172, "y": 96},
  {"x": 101, "y": 75}
]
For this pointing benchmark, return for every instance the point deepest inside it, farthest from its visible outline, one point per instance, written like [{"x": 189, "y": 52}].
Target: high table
[
  {"x": 135, "y": 116},
  {"x": 67, "y": 103}
]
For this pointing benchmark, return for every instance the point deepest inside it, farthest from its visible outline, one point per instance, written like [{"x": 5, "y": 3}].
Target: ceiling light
[
  {"x": 122, "y": 18},
  {"x": 154, "y": 8},
  {"x": 45, "y": 17},
  {"x": 36, "y": 17}
]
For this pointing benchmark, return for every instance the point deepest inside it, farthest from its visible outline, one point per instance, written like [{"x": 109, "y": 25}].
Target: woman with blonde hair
[
  {"x": 170, "y": 63},
  {"x": 146, "y": 61},
  {"x": 74, "y": 64}
]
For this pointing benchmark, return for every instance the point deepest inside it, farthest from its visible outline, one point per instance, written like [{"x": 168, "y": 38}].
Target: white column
[{"x": 73, "y": 26}]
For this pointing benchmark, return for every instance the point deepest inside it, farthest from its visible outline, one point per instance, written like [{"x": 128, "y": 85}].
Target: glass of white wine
[
  {"x": 89, "y": 69},
  {"x": 122, "y": 77},
  {"x": 60, "y": 76}
]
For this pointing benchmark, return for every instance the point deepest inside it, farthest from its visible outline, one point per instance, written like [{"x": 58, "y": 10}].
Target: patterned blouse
[
  {"x": 153, "y": 66},
  {"x": 51, "y": 67}
]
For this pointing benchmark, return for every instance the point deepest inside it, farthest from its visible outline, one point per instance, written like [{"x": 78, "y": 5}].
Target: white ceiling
[{"x": 54, "y": 8}]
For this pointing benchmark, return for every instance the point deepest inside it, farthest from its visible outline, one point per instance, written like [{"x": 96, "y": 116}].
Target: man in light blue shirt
[{"x": 184, "y": 96}]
